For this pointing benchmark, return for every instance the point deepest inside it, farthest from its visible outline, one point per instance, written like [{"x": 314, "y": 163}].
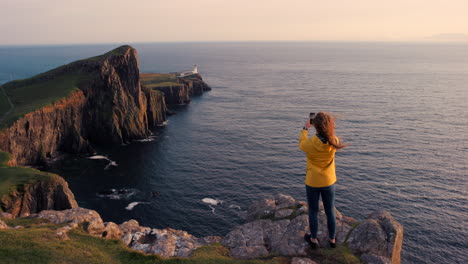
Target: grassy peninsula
[
  {"x": 154, "y": 80},
  {"x": 28, "y": 95}
]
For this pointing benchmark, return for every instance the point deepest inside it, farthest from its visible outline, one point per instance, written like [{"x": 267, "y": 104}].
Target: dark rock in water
[
  {"x": 155, "y": 194},
  {"x": 117, "y": 193}
]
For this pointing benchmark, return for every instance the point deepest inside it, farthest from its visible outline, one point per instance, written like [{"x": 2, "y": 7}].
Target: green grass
[
  {"x": 30, "y": 94},
  {"x": 13, "y": 178},
  {"x": 339, "y": 255},
  {"x": 155, "y": 80},
  {"x": 30, "y": 97},
  {"x": 148, "y": 78},
  {"x": 4, "y": 104},
  {"x": 218, "y": 254},
  {"x": 163, "y": 84},
  {"x": 36, "y": 243}
]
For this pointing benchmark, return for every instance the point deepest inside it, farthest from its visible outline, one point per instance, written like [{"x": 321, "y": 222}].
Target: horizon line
[{"x": 239, "y": 41}]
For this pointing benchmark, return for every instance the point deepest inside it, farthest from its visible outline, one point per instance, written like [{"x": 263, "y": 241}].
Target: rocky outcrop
[
  {"x": 302, "y": 261},
  {"x": 277, "y": 226},
  {"x": 183, "y": 89},
  {"x": 110, "y": 107},
  {"x": 164, "y": 242},
  {"x": 378, "y": 239},
  {"x": 175, "y": 94},
  {"x": 89, "y": 219},
  {"x": 195, "y": 84},
  {"x": 157, "y": 109},
  {"x": 47, "y": 194}
]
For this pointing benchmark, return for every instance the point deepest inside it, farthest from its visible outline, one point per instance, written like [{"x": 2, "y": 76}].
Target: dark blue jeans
[{"x": 328, "y": 199}]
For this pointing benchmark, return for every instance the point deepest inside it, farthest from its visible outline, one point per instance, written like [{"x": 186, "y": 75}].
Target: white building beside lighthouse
[{"x": 188, "y": 73}]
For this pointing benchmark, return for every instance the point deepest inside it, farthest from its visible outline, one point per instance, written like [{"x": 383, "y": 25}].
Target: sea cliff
[
  {"x": 107, "y": 106},
  {"x": 93, "y": 102}
]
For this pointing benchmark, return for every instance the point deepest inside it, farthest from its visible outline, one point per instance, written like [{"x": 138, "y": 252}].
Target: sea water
[{"x": 401, "y": 106}]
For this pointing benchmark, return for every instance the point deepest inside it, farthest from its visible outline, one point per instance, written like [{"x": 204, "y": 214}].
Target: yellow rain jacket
[{"x": 320, "y": 160}]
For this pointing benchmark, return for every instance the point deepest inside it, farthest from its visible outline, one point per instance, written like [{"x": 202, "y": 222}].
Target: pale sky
[{"x": 111, "y": 21}]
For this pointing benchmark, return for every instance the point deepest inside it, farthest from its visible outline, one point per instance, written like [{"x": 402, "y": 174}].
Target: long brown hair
[{"x": 325, "y": 125}]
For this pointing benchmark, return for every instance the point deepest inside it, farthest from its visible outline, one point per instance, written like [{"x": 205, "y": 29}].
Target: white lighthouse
[{"x": 188, "y": 73}]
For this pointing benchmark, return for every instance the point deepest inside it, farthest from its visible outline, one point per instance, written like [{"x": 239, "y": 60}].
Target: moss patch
[{"x": 339, "y": 255}]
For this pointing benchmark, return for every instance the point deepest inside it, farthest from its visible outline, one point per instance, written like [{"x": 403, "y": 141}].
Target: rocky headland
[
  {"x": 273, "y": 227},
  {"x": 112, "y": 103}
]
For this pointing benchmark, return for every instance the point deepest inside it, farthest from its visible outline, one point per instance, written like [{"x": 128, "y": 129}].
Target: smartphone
[{"x": 311, "y": 116}]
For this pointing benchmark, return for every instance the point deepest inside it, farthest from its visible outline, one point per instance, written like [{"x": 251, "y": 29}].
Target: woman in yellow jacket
[{"x": 321, "y": 176}]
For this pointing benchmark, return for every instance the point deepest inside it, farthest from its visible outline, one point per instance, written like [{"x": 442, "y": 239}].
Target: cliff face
[
  {"x": 40, "y": 134},
  {"x": 116, "y": 107},
  {"x": 110, "y": 107},
  {"x": 30, "y": 198},
  {"x": 195, "y": 84},
  {"x": 156, "y": 107}
]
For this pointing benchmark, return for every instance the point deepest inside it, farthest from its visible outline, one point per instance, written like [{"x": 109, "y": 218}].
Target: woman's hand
[{"x": 307, "y": 124}]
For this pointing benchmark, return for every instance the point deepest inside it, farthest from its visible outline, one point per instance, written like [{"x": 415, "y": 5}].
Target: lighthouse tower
[{"x": 195, "y": 69}]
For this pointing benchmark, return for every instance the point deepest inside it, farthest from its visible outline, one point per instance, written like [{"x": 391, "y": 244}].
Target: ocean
[{"x": 403, "y": 107}]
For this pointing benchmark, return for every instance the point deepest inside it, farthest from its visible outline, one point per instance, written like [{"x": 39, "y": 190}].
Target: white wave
[
  {"x": 148, "y": 139},
  {"x": 163, "y": 123},
  {"x": 132, "y": 205},
  {"x": 115, "y": 194},
  {"x": 99, "y": 157},
  {"x": 233, "y": 206},
  {"x": 211, "y": 201}
]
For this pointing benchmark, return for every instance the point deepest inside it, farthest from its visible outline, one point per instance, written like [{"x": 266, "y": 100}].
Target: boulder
[
  {"x": 6, "y": 215},
  {"x": 132, "y": 226},
  {"x": 3, "y": 225},
  {"x": 166, "y": 242},
  {"x": 302, "y": 261},
  {"x": 261, "y": 209},
  {"x": 373, "y": 259},
  {"x": 278, "y": 226},
  {"x": 112, "y": 231},
  {"x": 379, "y": 235},
  {"x": 90, "y": 219}
]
